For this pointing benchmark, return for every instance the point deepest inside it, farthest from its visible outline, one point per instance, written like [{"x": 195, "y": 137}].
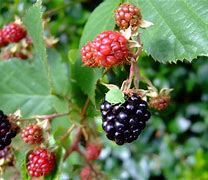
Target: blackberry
[
  {"x": 124, "y": 122},
  {"x": 7, "y": 132}
]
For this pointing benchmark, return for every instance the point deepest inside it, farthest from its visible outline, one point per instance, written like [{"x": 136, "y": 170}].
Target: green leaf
[
  {"x": 33, "y": 23},
  {"x": 24, "y": 174},
  {"x": 115, "y": 96},
  {"x": 22, "y": 162},
  {"x": 55, "y": 175},
  {"x": 101, "y": 19},
  {"x": 180, "y": 29},
  {"x": 25, "y": 86},
  {"x": 59, "y": 73},
  {"x": 36, "y": 86},
  {"x": 86, "y": 78},
  {"x": 72, "y": 55}
]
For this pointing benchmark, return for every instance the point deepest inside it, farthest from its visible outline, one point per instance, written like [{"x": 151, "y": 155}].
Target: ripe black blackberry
[
  {"x": 7, "y": 131},
  {"x": 124, "y": 122}
]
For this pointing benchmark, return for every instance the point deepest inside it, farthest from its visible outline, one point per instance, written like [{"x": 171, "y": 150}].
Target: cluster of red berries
[
  {"x": 40, "y": 161},
  {"x": 12, "y": 33},
  {"x": 107, "y": 49}
]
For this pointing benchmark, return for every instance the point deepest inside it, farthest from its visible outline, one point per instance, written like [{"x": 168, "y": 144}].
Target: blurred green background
[{"x": 174, "y": 143}]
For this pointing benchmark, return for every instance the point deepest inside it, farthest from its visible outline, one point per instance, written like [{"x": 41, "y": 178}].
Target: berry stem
[
  {"x": 127, "y": 83},
  {"x": 84, "y": 109},
  {"x": 68, "y": 132},
  {"x": 137, "y": 76},
  {"x": 97, "y": 174},
  {"x": 43, "y": 117},
  {"x": 149, "y": 83},
  {"x": 73, "y": 147}
]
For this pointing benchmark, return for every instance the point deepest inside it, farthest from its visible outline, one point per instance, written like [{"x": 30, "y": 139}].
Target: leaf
[
  {"x": 36, "y": 87},
  {"x": 180, "y": 29},
  {"x": 24, "y": 86},
  {"x": 55, "y": 175},
  {"x": 72, "y": 55},
  {"x": 115, "y": 96},
  {"x": 59, "y": 73},
  {"x": 33, "y": 23},
  {"x": 21, "y": 162},
  {"x": 86, "y": 78},
  {"x": 101, "y": 19},
  {"x": 24, "y": 174}
]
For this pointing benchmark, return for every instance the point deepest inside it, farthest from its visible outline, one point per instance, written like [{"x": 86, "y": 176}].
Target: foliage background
[{"x": 174, "y": 143}]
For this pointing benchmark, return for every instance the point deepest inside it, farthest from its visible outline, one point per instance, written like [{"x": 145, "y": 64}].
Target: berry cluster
[
  {"x": 92, "y": 151},
  {"x": 32, "y": 134},
  {"x": 124, "y": 122},
  {"x": 128, "y": 15},
  {"x": 11, "y": 33},
  {"x": 7, "y": 132},
  {"x": 40, "y": 162},
  {"x": 107, "y": 49}
]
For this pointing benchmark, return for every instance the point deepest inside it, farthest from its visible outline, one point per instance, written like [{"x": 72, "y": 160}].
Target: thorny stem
[
  {"x": 43, "y": 117},
  {"x": 88, "y": 163},
  {"x": 73, "y": 147},
  {"x": 84, "y": 109},
  {"x": 67, "y": 132}
]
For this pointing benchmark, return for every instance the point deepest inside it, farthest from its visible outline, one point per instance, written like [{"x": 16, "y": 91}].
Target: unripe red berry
[
  {"x": 40, "y": 162},
  {"x": 128, "y": 15},
  {"x": 159, "y": 102},
  {"x": 86, "y": 173},
  {"x": 110, "y": 48},
  {"x": 32, "y": 134},
  {"x": 92, "y": 151},
  {"x": 14, "y": 32}
]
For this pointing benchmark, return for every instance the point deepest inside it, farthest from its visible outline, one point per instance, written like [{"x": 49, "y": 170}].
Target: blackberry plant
[{"x": 63, "y": 108}]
